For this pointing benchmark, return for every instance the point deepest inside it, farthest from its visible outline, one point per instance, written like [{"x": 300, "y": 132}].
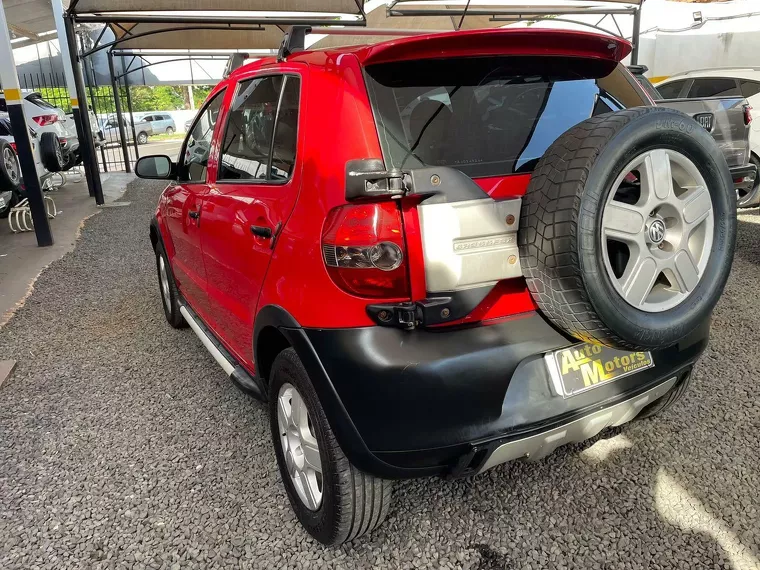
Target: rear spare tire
[
  {"x": 51, "y": 152},
  {"x": 628, "y": 227}
]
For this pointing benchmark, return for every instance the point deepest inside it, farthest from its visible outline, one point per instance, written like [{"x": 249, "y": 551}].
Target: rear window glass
[
  {"x": 488, "y": 116},
  {"x": 5, "y": 128}
]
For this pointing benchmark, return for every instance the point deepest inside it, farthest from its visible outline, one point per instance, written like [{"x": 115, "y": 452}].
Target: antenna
[{"x": 293, "y": 41}]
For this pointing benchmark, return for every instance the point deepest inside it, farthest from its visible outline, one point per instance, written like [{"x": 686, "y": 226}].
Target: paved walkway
[{"x": 123, "y": 445}]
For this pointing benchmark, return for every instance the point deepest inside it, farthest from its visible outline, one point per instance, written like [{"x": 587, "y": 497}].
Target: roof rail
[
  {"x": 721, "y": 68},
  {"x": 294, "y": 40}
]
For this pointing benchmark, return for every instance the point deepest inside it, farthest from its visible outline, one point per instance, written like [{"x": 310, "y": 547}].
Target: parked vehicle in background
[
  {"x": 43, "y": 117},
  {"x": 11, "y": 178},
  {"x": 437, "y": 254},
  {"x": 143, "y": 129},
  {"x": 724, "y": 82},
  {"x": 728, "y": 120},
  {"x": 161, "y": 123}
]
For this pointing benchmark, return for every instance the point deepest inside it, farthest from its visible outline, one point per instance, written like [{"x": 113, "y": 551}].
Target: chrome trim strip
[
  {"x": 539, "y": 445},
  {"x": 210, "y": 346}
]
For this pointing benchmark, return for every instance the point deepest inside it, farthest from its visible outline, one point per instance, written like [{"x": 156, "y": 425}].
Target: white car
[
  {"x": 10, "y": 195},
  {"x": 42, "y": 117},
  {"x": 721, "y": 82}
]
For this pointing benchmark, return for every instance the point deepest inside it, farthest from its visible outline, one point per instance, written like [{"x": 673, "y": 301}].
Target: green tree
[{"x": 200, "y": 92}]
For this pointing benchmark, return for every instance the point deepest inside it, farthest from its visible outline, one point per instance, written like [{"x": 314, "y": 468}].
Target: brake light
[
  {"x": 45, "y": 120},
  {"x": 747, "y": 114},
  {"x": 363, "y": 249},
  {"x": 13, "y": 146}
]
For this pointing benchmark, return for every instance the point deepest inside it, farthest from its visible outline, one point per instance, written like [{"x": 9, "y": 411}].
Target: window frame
[
  {"x": 263, "y": 181},
  {"x": 737, "y": 86},
  {"x": 221, "y": 93}
]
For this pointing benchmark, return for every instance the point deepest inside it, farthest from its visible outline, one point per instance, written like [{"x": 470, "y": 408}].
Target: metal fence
[{"x": 100, "y": 101}]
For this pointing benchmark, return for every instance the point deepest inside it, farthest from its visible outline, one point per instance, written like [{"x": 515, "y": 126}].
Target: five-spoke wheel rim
[
  {"x": 11, "y": 165},
  {"x": 164, "y": 279},
  {"x": 657, "y": 230},
  {"x": 299, "y": 446}
]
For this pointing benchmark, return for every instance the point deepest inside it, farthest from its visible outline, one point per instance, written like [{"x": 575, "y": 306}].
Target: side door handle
[
  {"x": 262, "y": 231},
  {"x": 194, "y": 215}
]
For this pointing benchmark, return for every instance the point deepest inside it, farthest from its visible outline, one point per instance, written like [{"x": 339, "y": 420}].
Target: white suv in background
[
  {"x": 721, "y": 82},
  {"x": 42, "y": 117}
]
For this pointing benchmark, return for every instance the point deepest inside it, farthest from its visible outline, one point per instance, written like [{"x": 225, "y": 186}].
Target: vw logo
[{"x": 656, "y": 231}]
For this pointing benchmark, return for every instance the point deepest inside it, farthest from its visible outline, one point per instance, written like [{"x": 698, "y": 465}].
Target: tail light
[
  {"x": 13, "y": 146},
  {"x": 747, "y": 114},
  {"x": 363, "y": 249},
  {"x": 45, "y": 120}
]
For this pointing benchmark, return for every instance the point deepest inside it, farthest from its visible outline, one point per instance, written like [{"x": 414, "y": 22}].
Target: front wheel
[
  {"x": 333, "y": 500},
  {"x": 169, "y": 130},
  {"x": 142, "y": 138},
  {"x": 168, "y": 288}
]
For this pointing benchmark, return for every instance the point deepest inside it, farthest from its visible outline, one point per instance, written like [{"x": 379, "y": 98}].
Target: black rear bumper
[{"x": 424, "y": 402}]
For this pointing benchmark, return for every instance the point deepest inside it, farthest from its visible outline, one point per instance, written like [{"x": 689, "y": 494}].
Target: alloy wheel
[
  {"x": 164, "y": 278},
  {"x": 11, "y": 165},
  {"x": 657, "y": 230},
  {"x": 299, "y": 446}
]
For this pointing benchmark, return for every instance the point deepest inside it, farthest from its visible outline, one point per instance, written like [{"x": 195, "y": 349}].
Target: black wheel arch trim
[{"x": 344, "y": 428}]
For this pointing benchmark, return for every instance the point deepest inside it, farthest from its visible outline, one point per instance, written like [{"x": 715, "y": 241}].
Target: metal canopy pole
[
  {"x": 129, "y": 108},
  {"x": 15, "y": 107},
  {"x": 75, "y": 82},
  {"x": 119, "y": 115},
  {"x": 635, "y": 39}
]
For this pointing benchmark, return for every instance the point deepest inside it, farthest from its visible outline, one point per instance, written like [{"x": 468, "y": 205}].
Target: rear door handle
[
  {"x": 262, "y": 231},
  {"x": 194, "y": 215}
]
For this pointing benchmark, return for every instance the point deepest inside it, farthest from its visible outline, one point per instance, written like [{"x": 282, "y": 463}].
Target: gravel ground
[{"x": 123, "y": 445}]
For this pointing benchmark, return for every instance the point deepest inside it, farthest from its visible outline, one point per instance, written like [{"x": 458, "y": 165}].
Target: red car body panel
[{"x": 230, "y": 274}]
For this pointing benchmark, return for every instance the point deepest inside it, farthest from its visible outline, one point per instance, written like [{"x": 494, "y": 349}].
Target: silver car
[{"x": 143, "y": 129}]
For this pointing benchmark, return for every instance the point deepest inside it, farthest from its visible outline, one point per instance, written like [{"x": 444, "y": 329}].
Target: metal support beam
[
  {"x": 15, "y": 107},
  {"x": 636, "y": 39},
  {"x": 119, "y": 114},
  {"x": 207, "y": 18},
  {"x": 131, "y": 115},
  {"x": 75, "y": 84}
]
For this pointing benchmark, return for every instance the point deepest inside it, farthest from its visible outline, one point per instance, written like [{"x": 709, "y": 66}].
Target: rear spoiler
[{"x": 502, "y": 41}]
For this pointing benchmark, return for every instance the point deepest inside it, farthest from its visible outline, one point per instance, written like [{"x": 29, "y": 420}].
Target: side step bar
[{"x": 244, "y": 381}]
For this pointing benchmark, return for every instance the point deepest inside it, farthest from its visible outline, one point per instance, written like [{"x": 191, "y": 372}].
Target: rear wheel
[
  {"x": 667, "y": 400},
  {"x": 169, "y": 130},
  {"x": 142, "y": 138},
  {"x": 333, "y": 500},
  {"x": 750, "y": 198}
]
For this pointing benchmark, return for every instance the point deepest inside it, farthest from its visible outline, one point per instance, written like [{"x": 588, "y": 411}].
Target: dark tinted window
[
  {"x": 5, "y": 128},
  {"x": 3, "y": 105},
  {"x": 254, "y": 119},
  {"x": 750, "y": 88},
  {"x": 286, "y": 131},
  {"x": 714, "y": 87},
  {"x": 671, "y": 90},
  {"x": 486, "y": 116},
  {"x": 194, "y": 159},
  {"x": 248, "y": 136}
]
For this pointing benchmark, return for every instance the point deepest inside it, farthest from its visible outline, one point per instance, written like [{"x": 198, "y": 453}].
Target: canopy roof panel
[
  {"x": 103, "y": 6},
  {"x": 198, "y": 37}
]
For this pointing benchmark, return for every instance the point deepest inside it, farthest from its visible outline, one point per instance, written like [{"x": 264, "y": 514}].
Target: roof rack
[{"x": 294, "y": 40}]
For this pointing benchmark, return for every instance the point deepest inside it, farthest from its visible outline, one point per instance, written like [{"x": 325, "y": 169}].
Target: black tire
[
  {"x": 752, "y": 198},
  {"x": 353, "y": 502},
  {"x": 69, "y": 162},
  {"x": 561, "y": 242},
  {"x": 169, "y": 130},
  {"x": 169, "y": 293},
  {"x": 667, "y": 401},
  {"x": 10, "y": 167},
  {"x": 142, "y": 137},
  {"x": 51, "y": 152}
]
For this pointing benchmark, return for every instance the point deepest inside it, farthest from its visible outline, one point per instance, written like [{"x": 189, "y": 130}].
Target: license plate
[{"x": 585, "y": 366}]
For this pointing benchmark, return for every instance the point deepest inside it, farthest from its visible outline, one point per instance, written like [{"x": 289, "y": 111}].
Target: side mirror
[{"x": 157, "y": 167}]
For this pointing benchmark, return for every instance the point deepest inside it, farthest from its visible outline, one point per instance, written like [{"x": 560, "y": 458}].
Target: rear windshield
[{"x": 488, "y": 116}]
